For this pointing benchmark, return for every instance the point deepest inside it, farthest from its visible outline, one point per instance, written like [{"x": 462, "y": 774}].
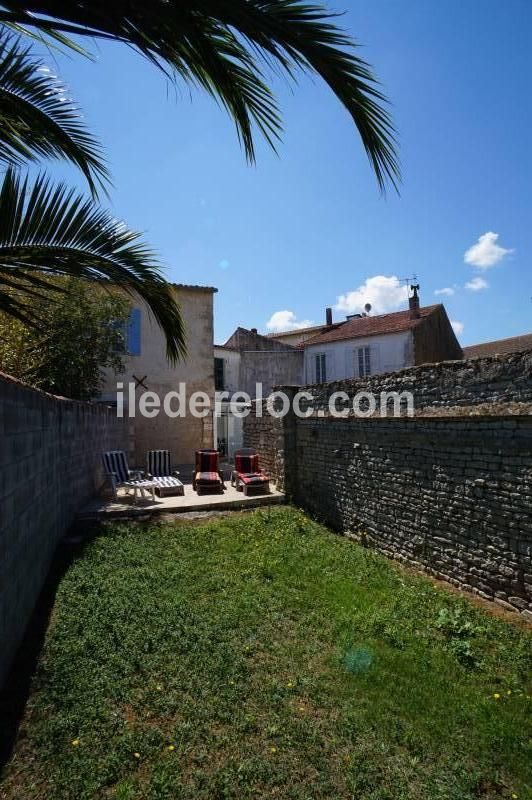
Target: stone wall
[
  {"x": 494, "y": 379},
  {"x": 274, "y": 439},
  {"x": 50, "y": 464},
  {"x": 451, "y": 495}
]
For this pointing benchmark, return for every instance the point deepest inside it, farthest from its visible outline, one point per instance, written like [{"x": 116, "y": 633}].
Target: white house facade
[
  {"x": 356, "y": 358},
  {"x": 363, "y": 345}
]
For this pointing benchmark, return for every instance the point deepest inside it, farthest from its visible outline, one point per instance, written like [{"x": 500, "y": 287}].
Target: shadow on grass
[{"x": 16, "y": 689}]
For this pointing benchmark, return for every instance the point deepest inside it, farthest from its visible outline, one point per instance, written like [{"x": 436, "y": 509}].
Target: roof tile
[
  {"x": 499, "y": 347},
  {"x": 371, "y": 326}
]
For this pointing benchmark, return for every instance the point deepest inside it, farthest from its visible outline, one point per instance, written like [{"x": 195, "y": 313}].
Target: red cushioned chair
[
  {"x": 247, "y": 473},
  {"x": 207, "y": 476}
]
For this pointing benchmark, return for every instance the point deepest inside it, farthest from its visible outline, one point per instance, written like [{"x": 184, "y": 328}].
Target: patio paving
[{"x": 104, "y": 508}]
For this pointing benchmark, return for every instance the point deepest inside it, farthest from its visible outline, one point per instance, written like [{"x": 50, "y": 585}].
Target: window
[
  {"x": 321, "y": 371},
  {"x": 219, "y": 374},
  {"x": 133, "y": 332},
  {"x": 130, "y": 330},
  {"x": 363, "y": 361}
]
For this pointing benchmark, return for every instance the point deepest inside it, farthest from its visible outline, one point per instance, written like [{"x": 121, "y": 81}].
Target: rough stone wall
[
  {"x": 452, "y": 495},
  {"x": 495, "y": 379},
  {"x": 50, "y": 464},
  {"x": 274, "y": 438}
]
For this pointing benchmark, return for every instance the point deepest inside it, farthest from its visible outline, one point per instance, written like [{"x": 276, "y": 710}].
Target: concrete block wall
[{"x": 50, "y": 465}]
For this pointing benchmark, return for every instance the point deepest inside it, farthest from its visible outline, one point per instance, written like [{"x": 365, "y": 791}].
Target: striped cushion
[
  {"x": 158, "y": 463},
  {"x": 206, "y": 460},
  {"x": 207, "y": 477},
  {"x": 168, "y": 482},
  {"x": 115, "y": 461},
  {"x": 253, "y": 477},
  {"x": 246, "y": 463}
]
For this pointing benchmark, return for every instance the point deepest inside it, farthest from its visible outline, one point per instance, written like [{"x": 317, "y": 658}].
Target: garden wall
[
  {"x": 50, "y": 465},
  {"x": 449, "y": 494},
  {"x": 494, "y": 379}
]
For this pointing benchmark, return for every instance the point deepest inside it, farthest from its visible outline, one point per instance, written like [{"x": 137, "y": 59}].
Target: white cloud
[
  {"x": 458, "y": 327},
  {"x": 286, "y": 321},
  {"x": 476, "y": 284},
  {"x": 448, "y": 291},
  {"x": 384, "y": 293},
  {"x": 486, "y": 252}
]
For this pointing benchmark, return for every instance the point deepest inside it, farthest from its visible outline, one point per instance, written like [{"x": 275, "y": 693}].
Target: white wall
[
  {"x": 390, "y": 352},
  {"x": 231, "y": 360}
]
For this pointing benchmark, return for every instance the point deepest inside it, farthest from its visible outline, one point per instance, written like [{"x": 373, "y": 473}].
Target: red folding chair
[
  {"x": 247, "y": 473},
  {"x": 207, "y": 476}
]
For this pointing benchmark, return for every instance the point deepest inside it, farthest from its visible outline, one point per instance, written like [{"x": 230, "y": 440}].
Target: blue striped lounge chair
[
  {"x": 159, "y": 468},
  {"x": 117, "y": 471}
]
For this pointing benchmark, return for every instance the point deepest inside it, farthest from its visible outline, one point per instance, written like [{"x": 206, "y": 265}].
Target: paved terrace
[{"x": 103, "y": 508}]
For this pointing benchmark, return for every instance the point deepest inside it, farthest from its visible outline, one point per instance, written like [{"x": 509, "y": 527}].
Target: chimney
[
  {"x": 413, "y": 302},
  {"x": 254, "y": 330},
  {"x": 328, "y": 317}
]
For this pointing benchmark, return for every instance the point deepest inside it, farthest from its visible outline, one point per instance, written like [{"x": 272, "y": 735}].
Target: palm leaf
[
  {"x": 219, "y": 45},
  {"x": 38, "y": 119},
  {"x": 50, "y": 230}
]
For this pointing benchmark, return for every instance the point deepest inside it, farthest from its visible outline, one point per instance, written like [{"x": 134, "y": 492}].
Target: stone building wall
[
  {"x": 182, "y": 435},
  {"x": 50, "y": 464}
]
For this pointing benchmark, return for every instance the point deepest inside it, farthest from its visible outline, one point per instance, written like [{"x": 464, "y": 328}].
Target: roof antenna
[{"x": 408, "y": 282}]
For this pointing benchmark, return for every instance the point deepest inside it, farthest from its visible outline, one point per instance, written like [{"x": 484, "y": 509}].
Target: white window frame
[
  {"x": 363, "y": 357},
  {"x": 320, "y": 367}
]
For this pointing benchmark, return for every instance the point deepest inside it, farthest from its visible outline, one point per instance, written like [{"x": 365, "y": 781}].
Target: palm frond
[
  {"x": 38, "y": 119},
  {"x": 48, "y": 229},
  {"x": 219, "y": 45}
]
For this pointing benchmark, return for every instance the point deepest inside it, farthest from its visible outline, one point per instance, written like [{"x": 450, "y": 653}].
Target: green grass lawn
[{"x": 261, "y": 656}]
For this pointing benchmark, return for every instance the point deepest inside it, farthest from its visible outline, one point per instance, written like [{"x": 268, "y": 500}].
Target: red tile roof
[
  {"x": 500, "y": 347},
  {"x": 295, "y": 331},
  {"x": 359, "y": 327}
]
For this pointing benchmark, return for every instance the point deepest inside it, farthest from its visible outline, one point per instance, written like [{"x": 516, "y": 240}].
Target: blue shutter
[{"x": 133, "y": 333}]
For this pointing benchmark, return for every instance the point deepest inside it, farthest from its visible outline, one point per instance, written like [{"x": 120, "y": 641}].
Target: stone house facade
[{"x": 147, "y": 369}]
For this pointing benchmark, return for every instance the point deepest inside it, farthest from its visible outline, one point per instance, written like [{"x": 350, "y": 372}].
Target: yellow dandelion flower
[
  {"x": 159, "y": 687},
  {"x": 514, "y": 796},
  {"x": 171, "y": 747},
  {"x": 273, "y": 749},
  {"x": 509, "y": 692},
  {"x": 75, "y": 742},
  {"x": 301, "y": 708},
  {"x": 289, "y": 684},
  {"x": 136, "y": 755},
  {"x": 496, "y": 695}
]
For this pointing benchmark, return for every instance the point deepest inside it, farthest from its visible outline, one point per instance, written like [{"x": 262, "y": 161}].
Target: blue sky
[{"x": 307, "y": 228}]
